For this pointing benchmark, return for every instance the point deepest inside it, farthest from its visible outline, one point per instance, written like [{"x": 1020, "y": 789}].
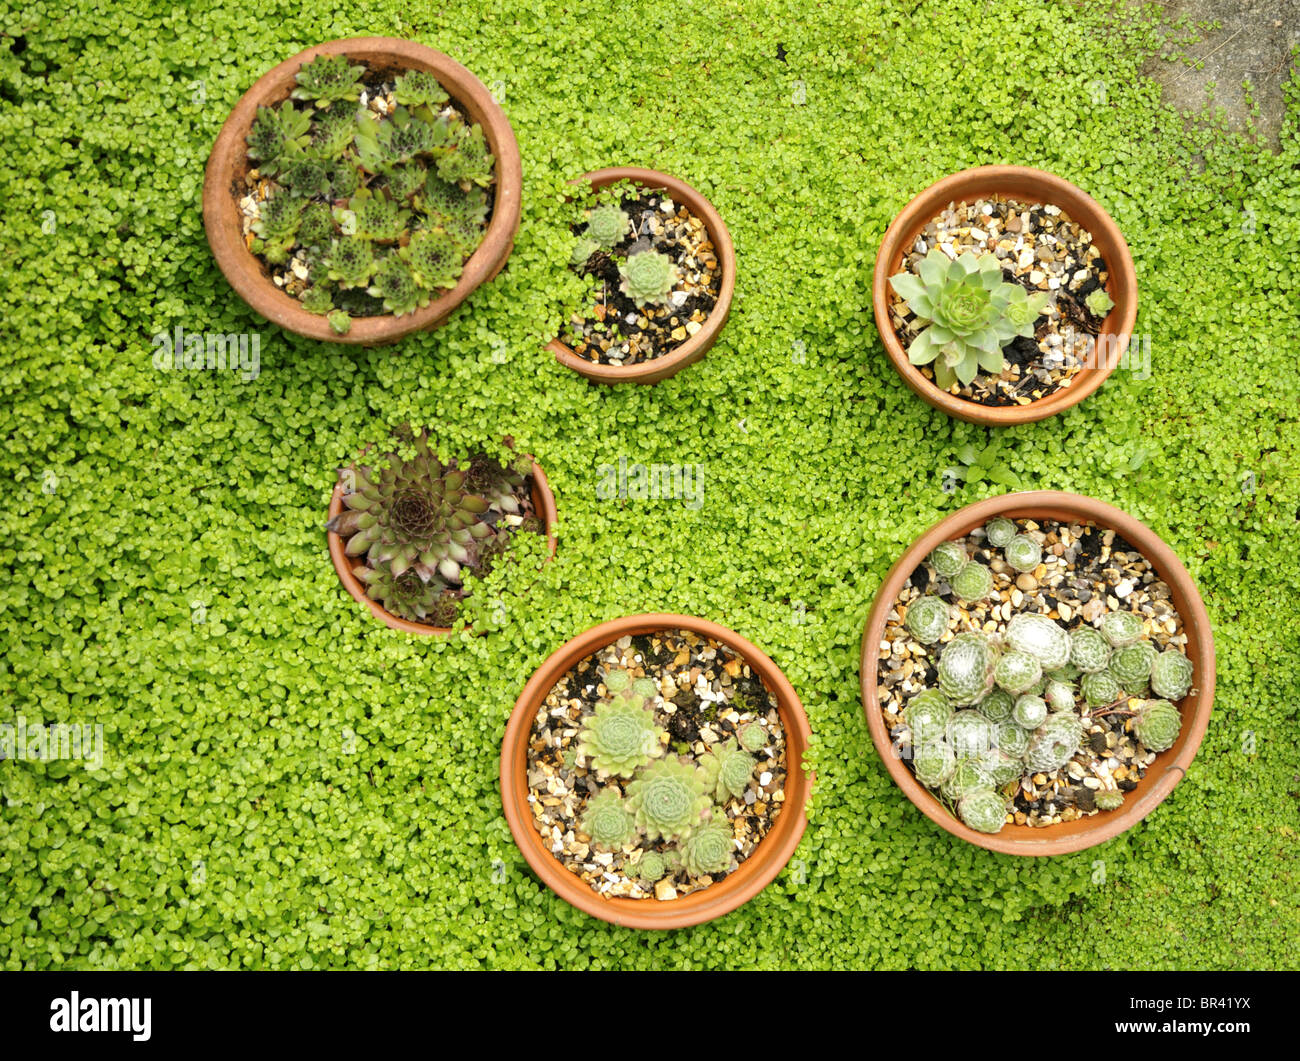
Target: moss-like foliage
[{"x": 278, "y": 723}]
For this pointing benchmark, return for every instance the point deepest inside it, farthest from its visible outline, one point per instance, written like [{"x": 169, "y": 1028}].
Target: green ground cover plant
[{"x": 287, "y": 783}]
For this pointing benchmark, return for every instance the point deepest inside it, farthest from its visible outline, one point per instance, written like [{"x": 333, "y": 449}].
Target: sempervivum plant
[
  {"x": 973, "y": 582},
  {"x": 928, "y": 714},
  {"x": 1023, "y": 553},
  {"x": 1156, "y": 724},
  {"x": 1121, "y": 628},
  {"x": 1030, "y": 712},
  {"x": 970, "y": 734},
  {"x": 933, "y": 762},
  {"x": 1131, "y": 665},
  {"x": 1089, "y": 650},
  {"x": 1171, "y": 675},
  {"x": 418, "y": 515},
  {"x": 971, "y": 311},
  {"x": 983, "y": 810},
  {"x": 927, "y": 619},
  {"x": 1055, "y": 742},
  {"x": 648, "y": 277},
  {"x": 668, "y": 798},
  {"x": 727, "y": 769},
  {"x": 373, "y": 209},
  {"x": 752, "y": 736},
  {"x": 620, "y": 735},
  {"x": 1099, "y": 688},
  {"x": 1017, "y": 672},
  {"x": 1109, "y": 799},
  {"x": 1038, "y": 636},
  {"x": 707, "y": 848},
  {"x": 948, "y": 558},
  {"x": 966, "y": 668},
  {"x": 607, "y": 821}
]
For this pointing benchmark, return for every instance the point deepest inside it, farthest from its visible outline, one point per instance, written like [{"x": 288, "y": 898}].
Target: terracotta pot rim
[
  {"x": 754, "y": 874},
  {"x": 245, "y": 272},
  {"x": 1038, "y": 186},
  {"x": 344, "y": 565},
  {"x": 1168, "y": 768},
  {"x": 698, "y": 344}
]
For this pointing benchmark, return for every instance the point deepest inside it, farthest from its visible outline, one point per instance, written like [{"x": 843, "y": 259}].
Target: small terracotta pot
[
  {"x": 1169, "y": 766},
  {"x": 1032, "y": 186},
  {"x": 698, "y": 344},
  {"x": 347, "y": 566},
  {"x": 752, "y": 876},
  {"x": 228, "y": 164}
]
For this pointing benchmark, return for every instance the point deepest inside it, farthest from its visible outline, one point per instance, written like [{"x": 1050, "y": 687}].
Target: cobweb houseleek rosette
[{"x": 970, "y": 312}]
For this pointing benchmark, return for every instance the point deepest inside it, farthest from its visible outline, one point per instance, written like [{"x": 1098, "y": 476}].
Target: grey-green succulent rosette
[
  {"x": 423, "y": 525},
  {"x": 971, "y": 311},
  {"x": 366, "y": 197}
]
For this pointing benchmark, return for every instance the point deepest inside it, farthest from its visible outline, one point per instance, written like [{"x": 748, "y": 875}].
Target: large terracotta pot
[
  {"x": 1032, "y": 186},
  {"x": 754, "y": 874},
  {"x": 228, "y": 163},
  {"x": 698, "y": 344},
  {"x": 347, "y": 566},
  {"x": 1169, "y": 766}
]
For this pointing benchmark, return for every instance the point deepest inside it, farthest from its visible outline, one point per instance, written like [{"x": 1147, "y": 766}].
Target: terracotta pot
[
  {"x": 228, "y": 164},
  {"x": 1032, "y": 186},
  {"x": 698, "y": 344},
  {"x": 754, "y": 874},
  {"x": 1167, "y": 769},
  {"x": 347, "y": 566}
]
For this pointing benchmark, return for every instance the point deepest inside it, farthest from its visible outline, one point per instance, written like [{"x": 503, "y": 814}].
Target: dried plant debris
[
  {"x": 1034, "y": 246},
  {"x": 654, "y": 272},
  {"x": 656, "y": 765},
  {"x": 1031, "y": 672}
]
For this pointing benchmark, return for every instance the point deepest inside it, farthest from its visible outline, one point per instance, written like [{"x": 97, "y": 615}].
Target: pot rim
[
  {"x": 698, "y": 344},
  {"x": 345, "y": 566},
  {"x": 1169, "y": 766},
  {"x": 1038, "y": 186},
  {"x": 245, "y": 272},
  {"x": 752, "y": 876}
]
